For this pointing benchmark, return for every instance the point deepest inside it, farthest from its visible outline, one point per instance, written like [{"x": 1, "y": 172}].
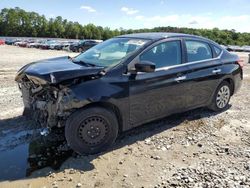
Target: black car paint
[
  {"x": 143, "y": 97},
  {"x": 62, "y": 68}
]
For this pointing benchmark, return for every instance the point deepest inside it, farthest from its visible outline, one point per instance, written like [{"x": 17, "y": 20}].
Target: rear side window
[
  {"x": 164, "y": 54},
  {"x": 217, "y": 51},
  {"x": 197, "y": 51}
]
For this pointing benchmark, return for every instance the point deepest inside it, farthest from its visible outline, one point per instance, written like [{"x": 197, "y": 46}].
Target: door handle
[
  {"x": 216, "y": 71},
  {"x": 180, "y": 78}
]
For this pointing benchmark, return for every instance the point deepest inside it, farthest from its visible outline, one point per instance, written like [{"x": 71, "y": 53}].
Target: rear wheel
[
  {"x": 221, "y": 97},
  {"x": 91, "y": 130}
]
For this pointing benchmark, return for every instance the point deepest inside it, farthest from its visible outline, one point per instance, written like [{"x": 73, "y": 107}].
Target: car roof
[
  {"x": 158, "y": 35},
  {"x": 163, "y": 35}
]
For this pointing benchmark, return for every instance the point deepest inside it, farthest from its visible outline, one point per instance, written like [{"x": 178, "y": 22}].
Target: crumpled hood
[{"x": 56, "y": 70}]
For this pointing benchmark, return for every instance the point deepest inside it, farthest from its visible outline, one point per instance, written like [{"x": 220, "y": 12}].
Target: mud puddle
[{"x": 42, "y": 151}]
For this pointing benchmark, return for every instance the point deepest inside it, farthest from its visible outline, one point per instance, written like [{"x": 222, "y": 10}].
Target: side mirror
[{"x": 145, "y": 66}]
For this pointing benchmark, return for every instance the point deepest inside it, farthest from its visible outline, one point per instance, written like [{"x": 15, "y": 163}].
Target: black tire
[
  {"x": 82, "y": 138},
  {"x": 215, "y": 105}
]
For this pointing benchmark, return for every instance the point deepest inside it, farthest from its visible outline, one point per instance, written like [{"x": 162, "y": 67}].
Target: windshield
[{"x": 110, "y": 52}]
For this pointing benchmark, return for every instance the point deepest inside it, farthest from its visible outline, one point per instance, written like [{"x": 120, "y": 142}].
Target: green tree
[{"x": 18, "y": 22}]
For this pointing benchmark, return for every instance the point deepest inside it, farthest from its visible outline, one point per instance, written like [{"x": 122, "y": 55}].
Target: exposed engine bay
[
  {"x": 42, "y": 103},
  {"x": 46, "y": 88},
  {"x": 49, "y": 105}
]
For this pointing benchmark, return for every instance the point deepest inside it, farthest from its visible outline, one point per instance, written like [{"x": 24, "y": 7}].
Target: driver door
[{"x": 160, "y": 93}]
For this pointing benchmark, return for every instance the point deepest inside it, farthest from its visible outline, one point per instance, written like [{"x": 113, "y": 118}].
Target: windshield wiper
[{"x": 84, "y": 63}]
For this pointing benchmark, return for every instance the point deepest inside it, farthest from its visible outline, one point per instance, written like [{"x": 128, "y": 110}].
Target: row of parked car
[
  {"x": 79, "y": 45},
  {"x": 234, "y": 48},
  {"x": 48, "y": 44}
]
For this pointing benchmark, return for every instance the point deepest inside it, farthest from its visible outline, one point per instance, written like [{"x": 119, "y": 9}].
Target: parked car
[
  {"x": 8, "y": 41},
  {"x": 11, "y": 41},
  {"x": 2, "y": 42},
  {"x": 34, "y": 44},
  {"x": 233, "y": 48},
  {"x": 17, "y": 42},
  {"x": 23, "y": 43},
  {"x": 62, "y": 45},
  {"x": 246, "y": 48},
  {"x": 125, "y": 82},
  {"x": 83, "y": 45},
  {"x": 52, "y": 45},
  {"x": 67, "y": 45},
  {"x": 40, "y": 44},
  {"x": 223, "y": 46},
  {"x": 67, "y": 48},
  {"x": 46, "y": 45}
]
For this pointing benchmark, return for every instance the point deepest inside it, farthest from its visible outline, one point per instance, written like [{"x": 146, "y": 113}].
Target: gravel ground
[{"x": 193, "y": 149}]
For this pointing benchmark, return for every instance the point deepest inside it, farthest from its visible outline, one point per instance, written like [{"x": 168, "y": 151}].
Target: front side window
[
  {"x": 110, "y": 52},
  {"x": 164, "y": 54},
  {"x": 197, "y": 51}
]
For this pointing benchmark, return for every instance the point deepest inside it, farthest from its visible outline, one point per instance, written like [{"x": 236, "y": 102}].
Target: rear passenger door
[{"x": 204, "y": 71}]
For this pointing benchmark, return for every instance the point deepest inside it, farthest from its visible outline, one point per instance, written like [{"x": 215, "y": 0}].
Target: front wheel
[
  {"x": 91, "y": 130},
  {"x": 221, "y": 97}
]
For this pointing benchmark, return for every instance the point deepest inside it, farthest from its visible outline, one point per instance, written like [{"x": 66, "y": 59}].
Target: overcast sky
[{"x": 134, "y": 14}]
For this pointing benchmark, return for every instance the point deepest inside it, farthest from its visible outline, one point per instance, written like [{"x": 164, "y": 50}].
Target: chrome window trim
[
  {"x": 174, "y": 66},
  {"x": 189, "y": 63}
]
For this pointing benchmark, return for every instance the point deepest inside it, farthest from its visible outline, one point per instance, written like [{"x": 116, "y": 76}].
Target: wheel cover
[
  {"x": 93, "y": 130},
  {"x": 223, "y": 96}
]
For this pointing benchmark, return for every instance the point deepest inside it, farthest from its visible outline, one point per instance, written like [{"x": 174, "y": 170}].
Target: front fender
[
  {"x": 114, "y": 91},
  {"x": 91, "y": 91}
]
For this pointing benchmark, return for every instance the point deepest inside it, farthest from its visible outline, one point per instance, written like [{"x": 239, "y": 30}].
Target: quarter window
[
  {"x": 197, "y": 51},
  {"x": 164, "y": 54},
  {"x": 217, "y": 51}
]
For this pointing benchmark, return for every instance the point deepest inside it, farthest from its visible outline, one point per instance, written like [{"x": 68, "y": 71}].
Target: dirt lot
[{"x": 194, "y": 149}]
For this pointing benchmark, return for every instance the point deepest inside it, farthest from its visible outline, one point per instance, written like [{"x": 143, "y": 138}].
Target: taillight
[{"x": 241, "y": 63}]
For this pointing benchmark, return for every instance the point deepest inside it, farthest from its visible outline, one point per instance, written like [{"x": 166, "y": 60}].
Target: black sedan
[
  {"x": 83, "y": 45},
  {"x": 125, "y": 82}
]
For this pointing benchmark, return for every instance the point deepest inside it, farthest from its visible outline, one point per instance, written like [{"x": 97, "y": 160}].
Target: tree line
[{"x": 17, "y": 22}]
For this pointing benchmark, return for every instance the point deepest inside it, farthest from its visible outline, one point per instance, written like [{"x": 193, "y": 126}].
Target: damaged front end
[
  {"x": 43, "y": 103},
  {"x": 46, "y": 92}
]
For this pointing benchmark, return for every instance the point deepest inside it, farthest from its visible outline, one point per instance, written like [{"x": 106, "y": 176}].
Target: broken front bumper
[
  {"x": 46, "y": 110},
  {"x": 51, "y": 108}
]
